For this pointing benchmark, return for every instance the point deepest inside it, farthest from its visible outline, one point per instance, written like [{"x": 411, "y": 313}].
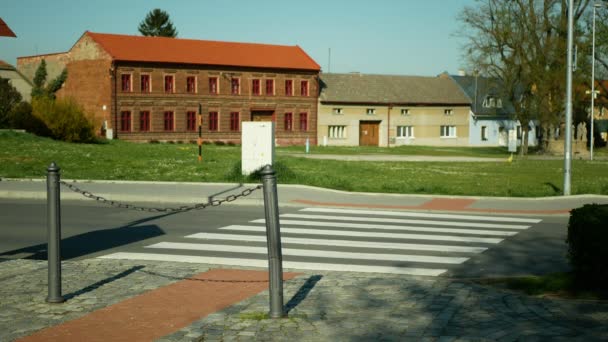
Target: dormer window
[{"x": 492, "y": 102}]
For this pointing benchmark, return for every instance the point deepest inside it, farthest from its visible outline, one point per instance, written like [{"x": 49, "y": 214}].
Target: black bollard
[
  {"x": 273, "y": 235},
  {"x": 53, "y": 215}
]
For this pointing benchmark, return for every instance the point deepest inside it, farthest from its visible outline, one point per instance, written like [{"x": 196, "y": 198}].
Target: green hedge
[{"x": 588, "y": 245}]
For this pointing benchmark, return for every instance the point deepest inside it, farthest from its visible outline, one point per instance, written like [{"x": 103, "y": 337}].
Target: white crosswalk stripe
[{"x": 347, "y": 240}]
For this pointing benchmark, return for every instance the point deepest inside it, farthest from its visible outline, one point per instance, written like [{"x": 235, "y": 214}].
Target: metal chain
[{"x": 198, "y": 206}]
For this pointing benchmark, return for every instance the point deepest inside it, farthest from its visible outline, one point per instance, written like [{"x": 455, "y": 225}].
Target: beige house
[
  {"x": 23, "y": 86},
  {"x": 386, "y": 110}
]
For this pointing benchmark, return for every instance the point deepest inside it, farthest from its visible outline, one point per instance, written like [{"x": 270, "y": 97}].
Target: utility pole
[{"x": 568, "y": 130}]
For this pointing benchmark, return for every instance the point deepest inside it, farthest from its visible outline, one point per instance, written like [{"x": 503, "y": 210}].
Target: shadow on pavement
[
  {"x": 100, "y": 283},
  {"x": 92, "y": 242},
  {"x": 299, "y": 296}
]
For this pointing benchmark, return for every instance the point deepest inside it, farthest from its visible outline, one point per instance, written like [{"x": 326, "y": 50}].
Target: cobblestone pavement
[{"x": 327, "y": 306}]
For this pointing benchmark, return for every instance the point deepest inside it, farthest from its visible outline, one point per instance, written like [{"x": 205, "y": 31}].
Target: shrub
[
  {"x": 65, "y": 119},
  {"x": 21, "y": 117},
  {"x": 588, "y": 245}
]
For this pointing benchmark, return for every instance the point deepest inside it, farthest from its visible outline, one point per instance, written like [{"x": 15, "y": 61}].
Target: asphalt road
[{"x": 91, "y": 230}]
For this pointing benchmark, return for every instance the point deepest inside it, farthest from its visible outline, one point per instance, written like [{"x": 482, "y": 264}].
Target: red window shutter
[
  {"x": 144, "y": 121},
  {"x": 168, "y": 84},
  {"x": 303, "y": 121},
  {"x": 304, "y": 88},
  {"x": 126, "y": 82},
  {"x": 255, "y": 85},
  {"x": 288, "y": 121},
  {"x": 269, "y": 87},
  {"x": 289, "y": 87}
]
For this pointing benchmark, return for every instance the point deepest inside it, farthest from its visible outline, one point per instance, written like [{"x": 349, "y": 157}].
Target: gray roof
[
  {"x": 391, "y": 89},
  {"x": 478, "y": 89}
]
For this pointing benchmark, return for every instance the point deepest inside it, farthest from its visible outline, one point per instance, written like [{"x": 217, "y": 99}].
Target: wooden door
[{"x": 368, "y": 133}]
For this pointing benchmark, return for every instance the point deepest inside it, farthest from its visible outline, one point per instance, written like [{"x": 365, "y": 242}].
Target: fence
[{"x": 273, "y": 234}]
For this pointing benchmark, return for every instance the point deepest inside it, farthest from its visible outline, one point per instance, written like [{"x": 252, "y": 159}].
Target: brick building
[{"x": 152, "y": 88}]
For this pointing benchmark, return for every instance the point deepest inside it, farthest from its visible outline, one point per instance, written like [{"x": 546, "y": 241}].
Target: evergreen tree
[
  {"x": 157, "y": 24},
  {"x": 39, "y": 80},
  {"x": 39, "y": 88}
]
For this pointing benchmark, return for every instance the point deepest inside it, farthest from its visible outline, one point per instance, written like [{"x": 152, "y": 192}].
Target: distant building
[
  {"x": 491, "y": 115},
  {"x": 23, "y": 85},
  {"x": 150, "y": 88},
  {"x": 388, "y": 110}
]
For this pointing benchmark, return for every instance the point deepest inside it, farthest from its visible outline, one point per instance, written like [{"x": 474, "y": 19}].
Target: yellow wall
[{"x": 426, "y": 121}]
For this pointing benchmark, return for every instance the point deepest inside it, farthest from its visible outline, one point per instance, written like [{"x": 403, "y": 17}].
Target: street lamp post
[{"x": 568, "y": 138}]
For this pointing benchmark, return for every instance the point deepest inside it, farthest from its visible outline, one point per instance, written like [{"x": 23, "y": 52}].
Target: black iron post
[
  {"x": 53, "y": 217},
  {"x": 273, "y": 235},
  {"x": 200, "y": 132}
]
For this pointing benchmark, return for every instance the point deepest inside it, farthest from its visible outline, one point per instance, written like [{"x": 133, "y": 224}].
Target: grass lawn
[{"x": 25, "y": 155}]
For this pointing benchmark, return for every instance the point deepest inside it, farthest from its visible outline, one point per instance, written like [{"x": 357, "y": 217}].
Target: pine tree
[
  {"x": 39, "y": 80},
  {"x": 157, "y": 24}
]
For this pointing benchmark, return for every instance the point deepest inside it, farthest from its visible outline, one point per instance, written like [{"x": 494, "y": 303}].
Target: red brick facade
[{"x": 111, "y": 91}]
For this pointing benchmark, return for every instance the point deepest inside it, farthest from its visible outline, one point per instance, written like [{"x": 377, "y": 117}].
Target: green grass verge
[
  {"x": 481, "y": 152},
  {"x": 27, "y": 156},
  {"x": 560, "y": 284}
]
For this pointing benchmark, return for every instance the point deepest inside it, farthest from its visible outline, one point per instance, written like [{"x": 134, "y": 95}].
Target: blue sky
[{"x": 403, "y": 37}]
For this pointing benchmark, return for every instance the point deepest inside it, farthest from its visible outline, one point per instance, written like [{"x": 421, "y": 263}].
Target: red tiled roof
[
  {"x": 189, "y": 51},
  {"x": 4, "y": 65},
  {"x": 5, "y": 30}
]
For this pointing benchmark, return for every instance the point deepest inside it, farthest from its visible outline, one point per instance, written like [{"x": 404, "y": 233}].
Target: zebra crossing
[{"x": 356, "y": 240}]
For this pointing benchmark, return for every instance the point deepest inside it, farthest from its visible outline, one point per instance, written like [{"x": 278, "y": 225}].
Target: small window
[
  {"x": 303, "y": 122},
  {"x": 145, "y": 84},
  {"x": 288, "y": 121},
  {"x": 370, "y": 111},
  {"x": 337, "y": 111},
  {"x": 289, "y": 87},
  {"x": 213, "y": 86},
  {"x": 126, "y": 82},
  {"x": 304, "y": 88},
  {"x": 235, "y": 86},
  {"x": 337, "y": 132},
  {"x": 234, "y": 121},
  {"x": 125, "y": 121},
  {"x": 269, "y": 87},
  {"x": 484, "y": 133},
  {"x": 213, "y": 121},
  {"x": 255, "y": 87},
  {"x": 448, "y": 131},
  {"x": 191, "y": 84},
  {"x": 169, "y": 86},
  {"x": 405, "y": 131},
  {"x": 169, "y": 121},
  {"x": 491, "y": 101},
  {"x": 191, "y": 121},
  {"x": 448, "y": 112},
  {"x": 405, "y": 111},
  {"x": 144, "y": 121}
]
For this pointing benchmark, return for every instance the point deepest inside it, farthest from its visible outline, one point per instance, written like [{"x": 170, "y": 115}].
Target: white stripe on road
[
  {"x": 342, "y": 243},
  {"x": 393, "y": 227},
  {"x": 309, "y": 253},
  {"x": 390, "y": 220},
  {"x": 264, "y": 264},
  {"x": 412, "y": 214},
  {"x": 368, "y": 234}
]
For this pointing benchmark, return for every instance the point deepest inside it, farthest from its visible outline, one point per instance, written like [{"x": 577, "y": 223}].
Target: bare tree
[{"x": 523, "y": 43}]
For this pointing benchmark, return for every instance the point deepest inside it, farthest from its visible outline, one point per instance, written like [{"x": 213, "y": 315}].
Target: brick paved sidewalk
[{"x": 327, "y": 306}]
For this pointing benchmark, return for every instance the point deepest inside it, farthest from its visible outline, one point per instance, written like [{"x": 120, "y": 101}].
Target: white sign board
[
  {"x": 257, "y": 145},
  {"x": 512, "y": 140}
]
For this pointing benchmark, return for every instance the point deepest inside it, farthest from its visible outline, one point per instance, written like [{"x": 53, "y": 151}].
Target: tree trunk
[{"x": 524, "y": 140}]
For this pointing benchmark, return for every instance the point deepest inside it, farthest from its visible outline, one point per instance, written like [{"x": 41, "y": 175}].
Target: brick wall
[{"x": 180, "y": 102}]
